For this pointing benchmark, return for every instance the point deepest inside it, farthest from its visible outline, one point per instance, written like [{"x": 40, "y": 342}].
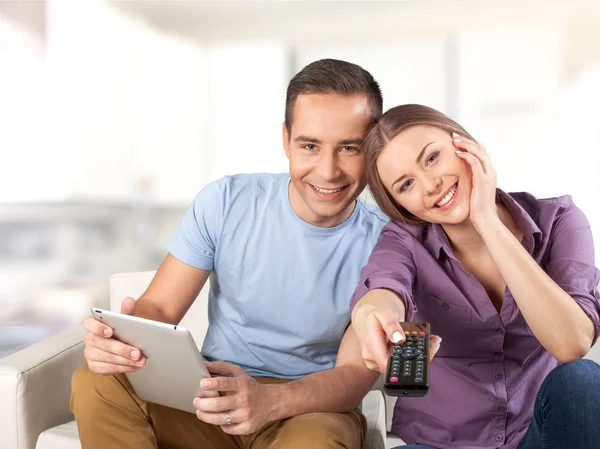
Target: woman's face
[{"x": 422, "y": 172}]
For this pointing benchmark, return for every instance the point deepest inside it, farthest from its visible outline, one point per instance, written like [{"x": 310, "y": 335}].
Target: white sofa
[{"x": 35, "y": 383}]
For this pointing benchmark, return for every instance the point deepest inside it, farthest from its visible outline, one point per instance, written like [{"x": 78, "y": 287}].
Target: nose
[
  {"x": 328, "y": 167},
  {"x": 431, "y": 184}
]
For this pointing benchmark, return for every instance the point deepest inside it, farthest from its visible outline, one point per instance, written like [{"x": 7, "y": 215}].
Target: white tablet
[{"x": 174, "y": 366}]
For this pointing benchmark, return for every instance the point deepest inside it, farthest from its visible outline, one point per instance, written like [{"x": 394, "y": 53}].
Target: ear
[{"x": 286, "y": 140}]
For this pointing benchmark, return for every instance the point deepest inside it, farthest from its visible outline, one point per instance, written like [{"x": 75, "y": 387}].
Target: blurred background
[{"x": 114, "y": 114}]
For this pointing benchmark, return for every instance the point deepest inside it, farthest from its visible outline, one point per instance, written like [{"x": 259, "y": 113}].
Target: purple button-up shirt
[{"x": 484, "y": 379}]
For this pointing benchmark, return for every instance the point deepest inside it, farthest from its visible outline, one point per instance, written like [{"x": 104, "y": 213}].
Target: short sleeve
[
  {"x": 195, "y": 239},
  {"x": 571, "y": 262},
  {"x": 390, "y": 266}
]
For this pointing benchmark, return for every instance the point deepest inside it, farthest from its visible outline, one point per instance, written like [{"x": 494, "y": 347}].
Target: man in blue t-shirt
[{"x": 283, "y": 253}]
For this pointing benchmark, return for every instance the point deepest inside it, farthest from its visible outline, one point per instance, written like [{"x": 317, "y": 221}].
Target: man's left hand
[{"x": 246, "y": 406}]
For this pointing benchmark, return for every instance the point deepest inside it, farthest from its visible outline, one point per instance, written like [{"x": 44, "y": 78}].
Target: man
[{"x": 283, "y": 254}]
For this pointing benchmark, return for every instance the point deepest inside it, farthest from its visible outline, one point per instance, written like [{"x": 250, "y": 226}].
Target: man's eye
[
  {"x": 432, "y": 157},
  {"x": 406, "y": 185},
  {"x": 310, "y": 147}
]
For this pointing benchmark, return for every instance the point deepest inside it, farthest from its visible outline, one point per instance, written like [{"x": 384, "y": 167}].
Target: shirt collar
[{"x": 436, "y": 241}]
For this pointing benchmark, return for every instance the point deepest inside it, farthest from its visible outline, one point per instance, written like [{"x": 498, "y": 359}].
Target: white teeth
[
  {"x": 318, "y": 189},
  {"x": 447, "y": 198}
]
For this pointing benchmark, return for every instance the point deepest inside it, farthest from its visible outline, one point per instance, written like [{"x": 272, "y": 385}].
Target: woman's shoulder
[
  {"x": 535, "y": 206},
  {"x": 548, "y": 212}
]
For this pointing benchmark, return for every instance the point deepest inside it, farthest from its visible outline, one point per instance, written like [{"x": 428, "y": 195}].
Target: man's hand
[
  {"x": 104, "y": 354},
  {"x": 247, "y": 403}
]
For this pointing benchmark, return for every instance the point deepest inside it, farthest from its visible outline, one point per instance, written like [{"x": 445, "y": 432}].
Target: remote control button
[
  {"x": 394, "y": 379},
  {"x": 422, "y": 334},
  {"x": 419, "y": 380}
]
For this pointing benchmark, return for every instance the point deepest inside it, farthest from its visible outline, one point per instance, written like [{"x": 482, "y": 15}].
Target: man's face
[{"x": 326, "y": 163}]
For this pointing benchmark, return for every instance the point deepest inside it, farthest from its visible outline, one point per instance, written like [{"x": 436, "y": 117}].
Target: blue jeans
[{"x": 566, "y": 414}]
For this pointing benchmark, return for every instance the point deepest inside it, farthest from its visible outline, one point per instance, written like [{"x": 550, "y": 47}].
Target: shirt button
[
  {"x": 499, "y": 437},
  {"x": 445, "y": 306},
  {"x": 499, "y": 376},
  {"x": 499, "y": 331},
  {"x": 501, "y": 409}
]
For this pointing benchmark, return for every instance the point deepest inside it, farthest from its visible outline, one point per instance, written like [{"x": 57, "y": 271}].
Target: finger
[
  {"x": 388, "y": 319},
  {"x": 215, "y": 405},
  {"x": 221, "y": 383},
  {"x": 128, "y": 306},
  {"x": 225, "y": 369},
  {"x": 372, "y": 366},
  {"x": 462, "y": 143},
  {"x": 97, "y": 355},
  {"x": 109, "y": 369},
  {"x": 95, "y": 326},
  {"x": 243, "y": 428},
  {"x": 475, "y": 164},
  {"x": 376, "y": 342},
  {"x": 434, "y": 346},
  {"x": 218, "y": 419},
  {"x": 111, "y": 345}
]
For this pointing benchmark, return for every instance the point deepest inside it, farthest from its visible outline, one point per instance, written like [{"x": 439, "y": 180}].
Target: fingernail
[
  {"x": 140, "y": 362},
  {"x": 135, "y": 354},
  {"x": 455, "y": 135},
  {"x": 107, "y": 332},
  {"x": 457, "y": 140},
  {"x": 397, "y": 337},
  {"x": 459, "y": 152},
  {"x": 204, "y": 383}
]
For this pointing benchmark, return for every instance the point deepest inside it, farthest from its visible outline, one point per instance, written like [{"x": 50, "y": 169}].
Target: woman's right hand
[
  {"x": 106, "y": 355},
  {"x": 376, "y": 327}
]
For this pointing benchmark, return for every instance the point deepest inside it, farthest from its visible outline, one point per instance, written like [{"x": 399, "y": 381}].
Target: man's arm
[
  {"x": 339, "y": 389},
  {"x": 170, "y": 294},
  {"x": 172, "y": 291}
]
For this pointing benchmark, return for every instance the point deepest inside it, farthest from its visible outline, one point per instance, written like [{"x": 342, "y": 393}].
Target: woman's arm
[
  {"x": 546, "y": 299},
  {"x": 383, "y": 296},
  {"x": 556, "y": 319}
]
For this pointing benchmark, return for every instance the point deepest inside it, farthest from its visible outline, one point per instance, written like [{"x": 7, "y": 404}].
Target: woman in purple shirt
[{"x": 506, "y": 280}]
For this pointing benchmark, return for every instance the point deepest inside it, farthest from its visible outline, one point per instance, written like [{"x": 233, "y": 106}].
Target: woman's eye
[
  {"x": 432, "y": 157},
  {"x": 347, "y": 148},
  {"x": 406, "y": 185}
]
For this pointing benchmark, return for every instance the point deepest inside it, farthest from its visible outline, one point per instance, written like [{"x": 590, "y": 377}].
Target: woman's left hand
[{"x": 483, "y": 190}]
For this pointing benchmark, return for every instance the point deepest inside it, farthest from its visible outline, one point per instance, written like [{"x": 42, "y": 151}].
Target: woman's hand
[
  {"x": 375, "y": 327},
  {"x": 483, "y": 190}
]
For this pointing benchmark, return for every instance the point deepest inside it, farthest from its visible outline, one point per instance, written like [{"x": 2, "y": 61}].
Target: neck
[{"x": 464, "y": 238}]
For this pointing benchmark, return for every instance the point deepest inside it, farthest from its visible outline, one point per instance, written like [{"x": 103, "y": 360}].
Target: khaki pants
[{"x": 111, "y": 416}]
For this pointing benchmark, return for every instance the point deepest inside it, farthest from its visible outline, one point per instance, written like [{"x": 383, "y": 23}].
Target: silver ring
[{"x": 227, "y": 418}]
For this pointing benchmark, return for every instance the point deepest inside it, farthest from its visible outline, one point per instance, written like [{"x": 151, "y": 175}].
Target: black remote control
[{"x": 407, "y": 372}]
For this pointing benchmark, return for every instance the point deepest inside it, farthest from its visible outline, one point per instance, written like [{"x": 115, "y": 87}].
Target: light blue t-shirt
[{"x": 280, "y": 288}]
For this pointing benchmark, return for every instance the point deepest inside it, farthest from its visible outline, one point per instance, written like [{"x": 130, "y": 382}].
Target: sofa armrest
[
  {"x": 35, "y": 386},
  {"x": 373, "y": 407}
]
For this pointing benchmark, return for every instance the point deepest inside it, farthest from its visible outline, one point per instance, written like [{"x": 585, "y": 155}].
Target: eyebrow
[
  {"x": 354, "y": 141},
  {"x": 419, "y": 157}
]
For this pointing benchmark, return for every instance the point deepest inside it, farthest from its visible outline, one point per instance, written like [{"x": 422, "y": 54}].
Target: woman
[{"x": 506, "y": 280}]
